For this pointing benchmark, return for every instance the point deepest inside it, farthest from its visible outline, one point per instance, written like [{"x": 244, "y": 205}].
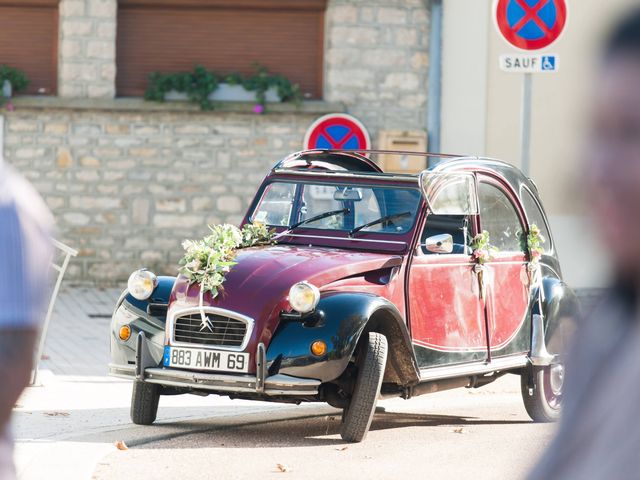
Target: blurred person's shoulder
[{"x": 16, "y": 191}]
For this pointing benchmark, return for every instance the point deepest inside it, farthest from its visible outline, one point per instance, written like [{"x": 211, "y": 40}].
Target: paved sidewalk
[{"x": 78, "y": 338}]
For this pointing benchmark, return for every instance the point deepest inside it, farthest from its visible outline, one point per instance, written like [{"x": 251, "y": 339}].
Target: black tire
[
  {"x": 543, "y": 397},
  {"x": 144, "y": 402},
  {"x": 358, "y": 415}
]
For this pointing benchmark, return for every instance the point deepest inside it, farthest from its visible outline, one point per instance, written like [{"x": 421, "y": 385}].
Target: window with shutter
[
  {"x": 29, "y": 41},
  {"x": 225, "y": 36}
]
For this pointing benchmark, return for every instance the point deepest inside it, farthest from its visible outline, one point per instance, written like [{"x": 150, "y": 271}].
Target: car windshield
[{"x": 389, "y": 209}]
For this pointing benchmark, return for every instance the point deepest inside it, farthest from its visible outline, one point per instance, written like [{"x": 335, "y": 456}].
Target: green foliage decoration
[
  {"x": 16, "y": 78},
  {"x": 198, "y": 85},
  {"x": 208, "y": 260},
  {"x": 483, "y": 251},
  {"x": 532, "y": 243},
  {"x": 201, "y": 83}
]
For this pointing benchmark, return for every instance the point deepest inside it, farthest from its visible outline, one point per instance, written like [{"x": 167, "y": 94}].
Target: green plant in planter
[
  {"x": 261, "y": 81},
  {"x": 201, "y": 83},
  {"x": 198, "y": 85},
  {"x": 15, "y": 77}
]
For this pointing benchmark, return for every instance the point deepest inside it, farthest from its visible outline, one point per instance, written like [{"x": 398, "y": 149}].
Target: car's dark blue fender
[
  {"x": 560, "y": 309},
  {"x": 146, "y": 316},
  {"x": 345, "y": 317}
]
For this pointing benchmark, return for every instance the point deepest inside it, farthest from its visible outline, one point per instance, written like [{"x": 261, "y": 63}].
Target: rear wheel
[
  {"x": 144, "y": 402},
  {"x": 357, "y": 416},
  {"x": 542, "y": 391}
]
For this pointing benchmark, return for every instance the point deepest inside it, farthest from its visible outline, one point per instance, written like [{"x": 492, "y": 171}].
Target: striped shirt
[
  {"x": 25, "y": 252},
  {"x": 25, "y": 263}
]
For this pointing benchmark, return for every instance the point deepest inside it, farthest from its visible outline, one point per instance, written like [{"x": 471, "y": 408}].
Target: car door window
[
  {"x": 455, "y": 225},
  {"x": 499, "y": 217}
]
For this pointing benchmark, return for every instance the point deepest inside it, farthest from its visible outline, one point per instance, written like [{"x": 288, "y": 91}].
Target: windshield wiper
[
  {"x": 342, "y": 211},
  {"x": 384, "y": 219}
]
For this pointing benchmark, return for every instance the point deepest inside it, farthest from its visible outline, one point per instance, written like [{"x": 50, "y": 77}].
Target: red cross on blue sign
[
  {"x": 337, "y": 131},
  {"x": 531, "y": 24}
]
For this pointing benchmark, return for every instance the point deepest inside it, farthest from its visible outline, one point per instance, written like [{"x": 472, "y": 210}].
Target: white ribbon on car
[{"x": 203, "y": 315}]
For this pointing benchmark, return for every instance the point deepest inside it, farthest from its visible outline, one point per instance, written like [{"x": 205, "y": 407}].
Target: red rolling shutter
[
  {"x": 286, "y": 36},
  {"x": 29, "y": 41}
]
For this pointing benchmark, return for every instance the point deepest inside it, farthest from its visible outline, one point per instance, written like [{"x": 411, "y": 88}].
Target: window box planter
[
  {"x": 7, "y": 89},
  {"x": 227, "y": 93}
]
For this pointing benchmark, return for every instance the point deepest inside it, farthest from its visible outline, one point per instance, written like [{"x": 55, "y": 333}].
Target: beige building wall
[{"x": 481, "y": 114}]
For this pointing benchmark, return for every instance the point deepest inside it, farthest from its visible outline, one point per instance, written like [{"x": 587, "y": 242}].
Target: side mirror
[{"x": 439, "y": 243}]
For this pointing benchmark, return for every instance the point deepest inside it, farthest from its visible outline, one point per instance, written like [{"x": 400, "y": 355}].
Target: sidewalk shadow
[
  {"x": 257, "y": 429},
  {"x": 308, "y": 431}
]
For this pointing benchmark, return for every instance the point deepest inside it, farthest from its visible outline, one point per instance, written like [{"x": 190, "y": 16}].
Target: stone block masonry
[
  {"x": 126, "y": 188},
  {"x": 376, "y": 61},
  {"x": 128, "y": 181},
  {"x": 87, "y": 48}
]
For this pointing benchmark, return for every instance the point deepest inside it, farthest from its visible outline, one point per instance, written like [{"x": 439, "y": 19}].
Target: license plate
[{"x": 201, "y": 359}]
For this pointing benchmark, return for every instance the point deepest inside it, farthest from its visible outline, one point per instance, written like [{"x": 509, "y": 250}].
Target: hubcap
[{"x": 556, "y": 374}]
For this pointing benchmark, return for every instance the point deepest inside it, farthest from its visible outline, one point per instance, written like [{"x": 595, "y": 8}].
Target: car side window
[
  {"x": 535, "y": 216},
  {"x": 499, "y": 217},
  {"x": 455, "y": 225},
  {"x": 276, "y": 204}
]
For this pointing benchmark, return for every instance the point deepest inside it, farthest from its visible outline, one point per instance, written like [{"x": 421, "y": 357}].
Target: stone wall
[
  {"x": 376, "y": 59},
  {"x": 127, "y": 188},
  {"x": 127, "y": 182},
  {"x": 87, "y": 48}
]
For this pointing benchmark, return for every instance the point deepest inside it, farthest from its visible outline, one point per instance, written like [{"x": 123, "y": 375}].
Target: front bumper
[{"x": 147, "y": 370}]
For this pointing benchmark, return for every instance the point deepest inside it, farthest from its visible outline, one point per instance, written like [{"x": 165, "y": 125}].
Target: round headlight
[
  {"x": 304, "y": 297},
  {"x": 142, "y": 283}
]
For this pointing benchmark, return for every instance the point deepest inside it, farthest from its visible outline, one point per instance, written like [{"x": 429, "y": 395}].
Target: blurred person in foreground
[
  {"x": 599, "y": 434},
  {"x": 25, "y": 256}
]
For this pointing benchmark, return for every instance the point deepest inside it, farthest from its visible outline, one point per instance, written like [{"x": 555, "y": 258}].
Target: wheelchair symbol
[{"x": 548, "y": 63}]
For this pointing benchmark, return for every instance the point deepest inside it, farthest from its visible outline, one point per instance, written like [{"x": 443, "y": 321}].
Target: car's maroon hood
[
  {"x": 262, "y": 277},
  {"x": 258, "y": 285}
]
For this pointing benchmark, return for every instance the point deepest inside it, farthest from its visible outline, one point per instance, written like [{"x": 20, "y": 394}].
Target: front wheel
[
  {"x": 358, "y": 414},
  {"x": 144, "y": 402},
  {"x": 542, "y": 391}
]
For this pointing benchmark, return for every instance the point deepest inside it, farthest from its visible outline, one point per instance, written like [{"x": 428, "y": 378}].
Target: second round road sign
[
  {"x": 337, "y": 131},
  {"x": 530, "y": 24}
]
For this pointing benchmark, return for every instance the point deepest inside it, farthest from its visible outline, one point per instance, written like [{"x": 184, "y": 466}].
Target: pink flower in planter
[
  {"x": 257, "y": 108},
  {"x": 10, "y": 107}
]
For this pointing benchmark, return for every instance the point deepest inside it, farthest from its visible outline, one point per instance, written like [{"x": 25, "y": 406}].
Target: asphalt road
[{"x": 479, "y": 434}]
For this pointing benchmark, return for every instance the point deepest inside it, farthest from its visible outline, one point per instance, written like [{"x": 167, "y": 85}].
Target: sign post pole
[{"x": 525, "y": 135}]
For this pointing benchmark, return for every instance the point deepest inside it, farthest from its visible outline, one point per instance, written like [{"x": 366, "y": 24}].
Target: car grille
[{"x": 224, "y": 331}]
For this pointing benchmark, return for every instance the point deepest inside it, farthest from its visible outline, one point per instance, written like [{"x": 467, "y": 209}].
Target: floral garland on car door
[
  {"x": 532, "y": 244},
  {"x": 482, "y": 252}
]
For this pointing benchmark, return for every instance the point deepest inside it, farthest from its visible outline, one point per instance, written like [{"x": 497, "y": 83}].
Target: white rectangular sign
[{"x": 529, "y": 63}]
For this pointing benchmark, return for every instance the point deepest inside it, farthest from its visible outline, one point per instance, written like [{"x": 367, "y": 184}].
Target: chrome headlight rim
[
  {"x": 142, "y": 283},
  {"x": 304, "y": 297}
]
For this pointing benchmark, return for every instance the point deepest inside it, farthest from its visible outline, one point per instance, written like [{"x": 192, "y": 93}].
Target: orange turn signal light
[
  {"x": 124, "y": 333},
  {"x": 318, "y": 348}
]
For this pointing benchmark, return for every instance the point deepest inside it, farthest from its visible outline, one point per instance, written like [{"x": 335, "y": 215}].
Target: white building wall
[
  {"x": 482, "y": 115},
  {"x": 464, "y": 76}
]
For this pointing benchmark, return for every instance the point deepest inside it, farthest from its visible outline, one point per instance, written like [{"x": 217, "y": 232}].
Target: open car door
[{"x": 447, "y": 313}]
